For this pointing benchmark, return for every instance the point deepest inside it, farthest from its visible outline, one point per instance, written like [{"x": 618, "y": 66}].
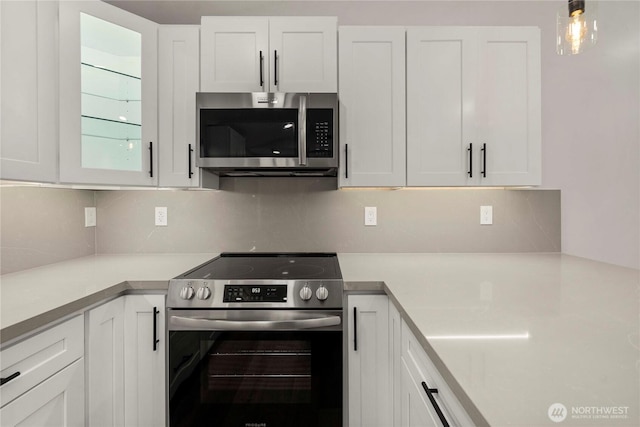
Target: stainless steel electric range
[{"x": 255, "y": 340}]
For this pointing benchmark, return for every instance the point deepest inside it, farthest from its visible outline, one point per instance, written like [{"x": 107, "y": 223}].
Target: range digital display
[{"x": 255, "y": 293}]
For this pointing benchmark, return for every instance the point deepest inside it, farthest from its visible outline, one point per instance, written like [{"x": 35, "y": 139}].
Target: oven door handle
[{"x": 253, "y": 325}]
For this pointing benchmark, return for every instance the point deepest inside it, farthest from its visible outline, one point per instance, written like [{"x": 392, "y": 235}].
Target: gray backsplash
[
  {"x": 308, "y": 214},
  {"x": 41, "y": 226}
]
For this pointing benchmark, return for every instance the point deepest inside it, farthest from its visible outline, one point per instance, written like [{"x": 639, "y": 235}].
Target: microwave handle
[{"x": 302, "y": 126}]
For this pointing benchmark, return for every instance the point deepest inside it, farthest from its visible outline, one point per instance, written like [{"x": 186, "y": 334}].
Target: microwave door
[{"x": 249, "y": 137}]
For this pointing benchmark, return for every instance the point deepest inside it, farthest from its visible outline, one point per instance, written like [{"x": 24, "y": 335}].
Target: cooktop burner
[{"x": 256, "y": 266}]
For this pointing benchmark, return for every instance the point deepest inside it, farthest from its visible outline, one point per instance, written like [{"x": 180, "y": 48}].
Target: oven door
[{"x": 255, "y": 368}]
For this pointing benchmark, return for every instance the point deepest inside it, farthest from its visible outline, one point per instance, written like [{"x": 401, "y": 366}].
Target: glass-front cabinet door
[{"x": 108, "y": 101}]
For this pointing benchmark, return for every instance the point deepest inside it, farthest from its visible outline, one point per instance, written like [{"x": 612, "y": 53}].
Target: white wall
[{"x": 590, "y": 116}]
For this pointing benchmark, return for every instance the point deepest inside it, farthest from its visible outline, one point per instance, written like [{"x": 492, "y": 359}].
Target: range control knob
[
  {"x": 322, "y": 293},
  {"x": 186, "y": 292},
  {"x": 203, "y": 293},
  {"x": 306, "y": 293}
]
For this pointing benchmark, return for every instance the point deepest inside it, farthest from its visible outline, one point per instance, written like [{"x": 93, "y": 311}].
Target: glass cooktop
[{"x": 268, "y": 266}]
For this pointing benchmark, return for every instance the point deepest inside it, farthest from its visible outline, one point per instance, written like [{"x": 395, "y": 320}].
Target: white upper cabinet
[
  {"x": 441, "y": 69},
  {"x": 304, "y": 55},
  {"x": 28, "y": 94},
  {"x": 108, "y": 95},
  {"x": 473, "y": 106},
  {"x": 260, "y": 54},
  {"x": 372, "y": 106},
  {"x": 234, "y": 54},
  {"x": 508, "y": 106},
  {"x": 178, "y": 82}
]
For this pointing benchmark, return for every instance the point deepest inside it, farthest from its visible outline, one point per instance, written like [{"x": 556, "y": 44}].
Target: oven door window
[
  {"x": 249, "y": 133},
  {"x": 256, "y": 379}
]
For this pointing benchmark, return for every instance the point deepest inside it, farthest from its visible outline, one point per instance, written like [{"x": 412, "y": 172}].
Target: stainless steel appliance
[
  {"x": 256, "y": 340},
  {"x": 268, "y": 134}
]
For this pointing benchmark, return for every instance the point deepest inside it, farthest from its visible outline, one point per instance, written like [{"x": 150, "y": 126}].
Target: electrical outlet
[
  {"x": 486, "y": 215},
  {"x": 161, "y": 216},
  {"x": 371, "y": 215},
  {"x": 90, "y": 217}
]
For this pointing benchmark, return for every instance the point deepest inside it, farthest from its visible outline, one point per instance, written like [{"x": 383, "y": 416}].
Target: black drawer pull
[
  {"x": 484, "y": 160},
  {"x": 430, "y": 392},
  {"x": 470, "y": 150},
  {"x": 151, "y": 159},
  {"x": 189, "y": 156},
  {"x": 156, "y": 340},
  {"x": 3, "y": 381},
  {"x": 261, "y": 70},
  {"x": 355, "y": 329}
]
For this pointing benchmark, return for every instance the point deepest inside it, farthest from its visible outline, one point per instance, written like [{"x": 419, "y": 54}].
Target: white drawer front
[
  {"x": 421, "y": 368},
  {"x": 39, "y": 357}
]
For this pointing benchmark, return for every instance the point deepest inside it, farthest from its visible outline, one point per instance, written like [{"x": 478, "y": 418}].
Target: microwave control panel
[{"x": 320, "y": 132}]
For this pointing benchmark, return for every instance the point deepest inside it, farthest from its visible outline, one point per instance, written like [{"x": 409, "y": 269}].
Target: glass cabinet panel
[{"x": 111, "y": 94}]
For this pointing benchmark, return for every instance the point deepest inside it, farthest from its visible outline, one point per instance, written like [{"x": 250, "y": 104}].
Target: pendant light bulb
[{"x": 576, "y": 30}]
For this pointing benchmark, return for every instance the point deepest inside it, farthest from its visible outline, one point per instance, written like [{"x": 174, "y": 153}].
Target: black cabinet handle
[
  {"x": 261, "y": 69},
  {"x": 189, "y": 156},
  {"x": 430, "y": 392},
  {"x": 346, "y": 161},
  {"x": 151, "y": 159},
  {"x": 355, "y": 328},
  {"x": 484, "y": 160},
  {"x": 470, "y": 150},
  {"x": 13, "y": 376},
  {"x": 275, "y": 67},
  {"x": 156, "y": 340}
]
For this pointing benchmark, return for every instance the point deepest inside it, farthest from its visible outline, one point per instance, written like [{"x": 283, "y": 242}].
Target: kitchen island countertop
[{"x": 512, "y": 333}]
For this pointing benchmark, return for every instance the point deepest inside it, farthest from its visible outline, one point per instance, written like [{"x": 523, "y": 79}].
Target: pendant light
[{"x": 577, "y": 28}]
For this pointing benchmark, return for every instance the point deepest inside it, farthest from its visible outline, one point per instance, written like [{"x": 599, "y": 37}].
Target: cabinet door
[
  {"x": 144, "y": 372},
  {"x": 234, "y": 54},
  {"x": 441, "y": 79},
  {"x": 372, "y": 106},
  {"x": 370, "y": 396},
  {"x": 28, "y": 82},
  {"x": 58, "y": 401},
  {"x": 508, "y": 106},
  {"x": 178, "y": 78},
  {"x": 303, "y": 54},
  {"x": 105, "y": 364},
  {"x": 108, "y": 95}
]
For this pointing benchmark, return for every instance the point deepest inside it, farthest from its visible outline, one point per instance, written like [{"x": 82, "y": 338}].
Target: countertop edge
[{"x": 19, "y": 331}]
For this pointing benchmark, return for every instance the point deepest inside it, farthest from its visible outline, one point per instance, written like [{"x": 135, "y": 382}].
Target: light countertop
[
  {"x": 520, "y": 332},
  {"x": 513, "y": 333},
  {"x": 32, "y": 298}
]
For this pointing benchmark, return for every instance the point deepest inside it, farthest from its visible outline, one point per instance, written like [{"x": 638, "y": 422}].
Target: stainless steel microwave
[{"x": 268, "y": 134}]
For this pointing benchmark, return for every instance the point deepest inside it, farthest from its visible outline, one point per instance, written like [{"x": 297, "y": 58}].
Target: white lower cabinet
[
  {"x": 105, "y": 364},
  {"x": 126, "y": 362},
  {"x": 58, "y": 401},
  {"x": 368, "y": 358},
  {"x": 43, "y": 378},
  {"x": 414, "y": 410},
  {"x": 389, "y": 370},
  {"x": 419, "y": 374},
  {"x": 144, "y": 361}
]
